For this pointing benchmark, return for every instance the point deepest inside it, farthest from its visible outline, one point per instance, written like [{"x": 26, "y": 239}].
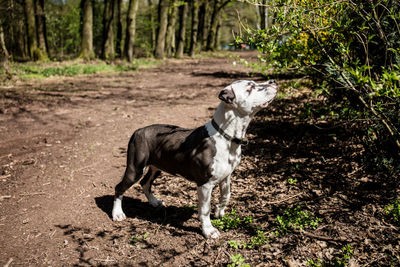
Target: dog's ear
[{"x": 227, "y": 95}]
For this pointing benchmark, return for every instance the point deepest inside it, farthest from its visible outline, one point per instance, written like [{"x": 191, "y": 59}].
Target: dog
[{"x": 206, "y": 155}]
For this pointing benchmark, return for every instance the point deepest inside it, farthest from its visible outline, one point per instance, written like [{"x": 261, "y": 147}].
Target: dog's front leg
[
  {"x": 204, "y": 195},
  {"x": 225, "y": 190}
]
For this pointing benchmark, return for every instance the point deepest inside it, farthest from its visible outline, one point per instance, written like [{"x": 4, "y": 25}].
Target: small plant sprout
[
  {"x": 341, "y": 261},
  {"x": 138, "y": 239},
  {"x": 231, "y": 221},
  {"x": 393, "y": 211},
  {"x": 237, "y": 260}
]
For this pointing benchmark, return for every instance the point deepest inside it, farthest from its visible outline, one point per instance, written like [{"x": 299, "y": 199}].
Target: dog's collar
[{"x": 236, "y": 140}]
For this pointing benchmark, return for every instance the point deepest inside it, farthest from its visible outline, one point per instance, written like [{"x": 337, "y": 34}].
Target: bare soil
[{"x": 63, "y": 148}]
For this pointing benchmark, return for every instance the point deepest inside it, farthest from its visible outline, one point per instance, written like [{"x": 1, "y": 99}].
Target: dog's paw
[
  {"x": 211, "y": 232},
  {"x": 118, "y": 216}
]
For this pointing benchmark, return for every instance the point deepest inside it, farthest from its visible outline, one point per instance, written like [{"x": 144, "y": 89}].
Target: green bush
[{"x": 351, "y": 44}]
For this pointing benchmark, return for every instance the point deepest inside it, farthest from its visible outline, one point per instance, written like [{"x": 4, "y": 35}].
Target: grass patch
[
  {"x": 296, "y": 218},
  {"x": 33, "y": 70},
  {"x": 214, "y": 54}
]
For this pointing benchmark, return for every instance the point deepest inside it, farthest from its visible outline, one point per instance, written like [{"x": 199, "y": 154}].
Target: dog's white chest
[{"x": 226, "y": 158}]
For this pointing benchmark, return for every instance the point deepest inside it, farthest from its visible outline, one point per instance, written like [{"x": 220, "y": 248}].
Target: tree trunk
[
  {"x": 3, "y": 49},
  {"x": 203, "y": 25},
  {"x": 212, "y": 34},
  {"x": 108, "y": 52},
  {"x": 130, "y": 29},
  {"x": 152, "y": 24},
  {"x": 163, "y": 22},
  {"x": 87, "y": 30},
  {"x": 195, "y": 27},
  {"x": 217, "y": 35},
  {"x": 264, "y": 15},
  {"x": 261, "y": 10},
  {"x": 213, "y": 27},
  {"x": 170, "y": 38},
  {"x": 4, "y": 53},
  {"x": 41, "y": 30},
  {"x": 30, "y": 28},
  {"x": 183, "y": 11},
  {"x": 118, "y": 42}
]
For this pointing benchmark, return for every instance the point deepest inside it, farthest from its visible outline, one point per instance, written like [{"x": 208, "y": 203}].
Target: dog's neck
[{"x": 231, "y": 121}]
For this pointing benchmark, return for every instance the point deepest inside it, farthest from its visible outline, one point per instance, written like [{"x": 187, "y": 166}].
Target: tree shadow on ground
[
  {"x": 84, "y": 239},
  {"x": 330, "y": 176},
  {"x": 134, "y": 208},
  {"x": 326, "y": 154}
]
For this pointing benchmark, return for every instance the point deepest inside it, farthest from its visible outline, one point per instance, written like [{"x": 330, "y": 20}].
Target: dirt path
[{"x": 62, "y": 151}]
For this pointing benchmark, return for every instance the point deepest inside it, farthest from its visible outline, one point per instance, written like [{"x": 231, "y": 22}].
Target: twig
[
  {"x": 320, "y": 237},
  {"x": 5, "y": 176},
  {"x": 32, "y": 194},
  {"x": 8, "y": 262},
  {"x": 105, "y": 260},
  {"x": 218, "y": 255},
  {"x": 4, "y": 197},
  {"x": 282, "y": 200},
  {"x": 52, "y": 234}
]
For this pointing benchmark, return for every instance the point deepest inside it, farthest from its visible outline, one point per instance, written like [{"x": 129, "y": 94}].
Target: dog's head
[{"x": 248, "y": 97}]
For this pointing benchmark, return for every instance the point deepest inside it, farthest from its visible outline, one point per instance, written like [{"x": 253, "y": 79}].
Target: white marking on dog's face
[{"x": 248, "y": 97}]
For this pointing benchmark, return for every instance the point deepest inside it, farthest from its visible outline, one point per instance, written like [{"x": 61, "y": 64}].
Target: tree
[
  {"x": 3, "y": 52},
  {"x": 170, "y": 38},
  {"x": 108, "y": 51},
  {"x": 41, "y": 33},
  {"x": 183, "y": 11},
  {"x": 163, "y": 22},
  {"x": 87, "y": 30},
  {"x": 3, "y": 49},
  {"x": 130, "y": 29},
  {"x": 152, "y": 25},
  {"x": 212, "y": 34},
  {"x": 203, "y": 24},
  {"x": 118, "y": 41},
  {"x": 195, "y": 27},
  {"x": 30, "y": 28}
]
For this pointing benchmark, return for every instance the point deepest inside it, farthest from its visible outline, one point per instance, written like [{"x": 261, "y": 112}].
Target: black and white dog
[{"x": 206, "y": 155}]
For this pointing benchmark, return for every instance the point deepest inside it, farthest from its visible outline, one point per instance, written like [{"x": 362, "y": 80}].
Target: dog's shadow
[{"x": 135, "y": 208}]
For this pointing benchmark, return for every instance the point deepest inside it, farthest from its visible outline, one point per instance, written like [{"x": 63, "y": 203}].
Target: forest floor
[{"x": 63, "y": 149}]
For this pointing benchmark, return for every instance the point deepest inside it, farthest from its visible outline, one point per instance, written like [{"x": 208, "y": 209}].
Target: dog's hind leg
[
  {"x": 136, "y": 162},
  {"x": 146, "y": 184}
]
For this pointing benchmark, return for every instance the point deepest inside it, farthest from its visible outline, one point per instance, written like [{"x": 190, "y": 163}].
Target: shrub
[{"x": 352, "y": 44}]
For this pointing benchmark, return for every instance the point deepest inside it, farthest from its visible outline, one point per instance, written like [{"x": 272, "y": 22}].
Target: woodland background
[{"x": 63, "y": 29}]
